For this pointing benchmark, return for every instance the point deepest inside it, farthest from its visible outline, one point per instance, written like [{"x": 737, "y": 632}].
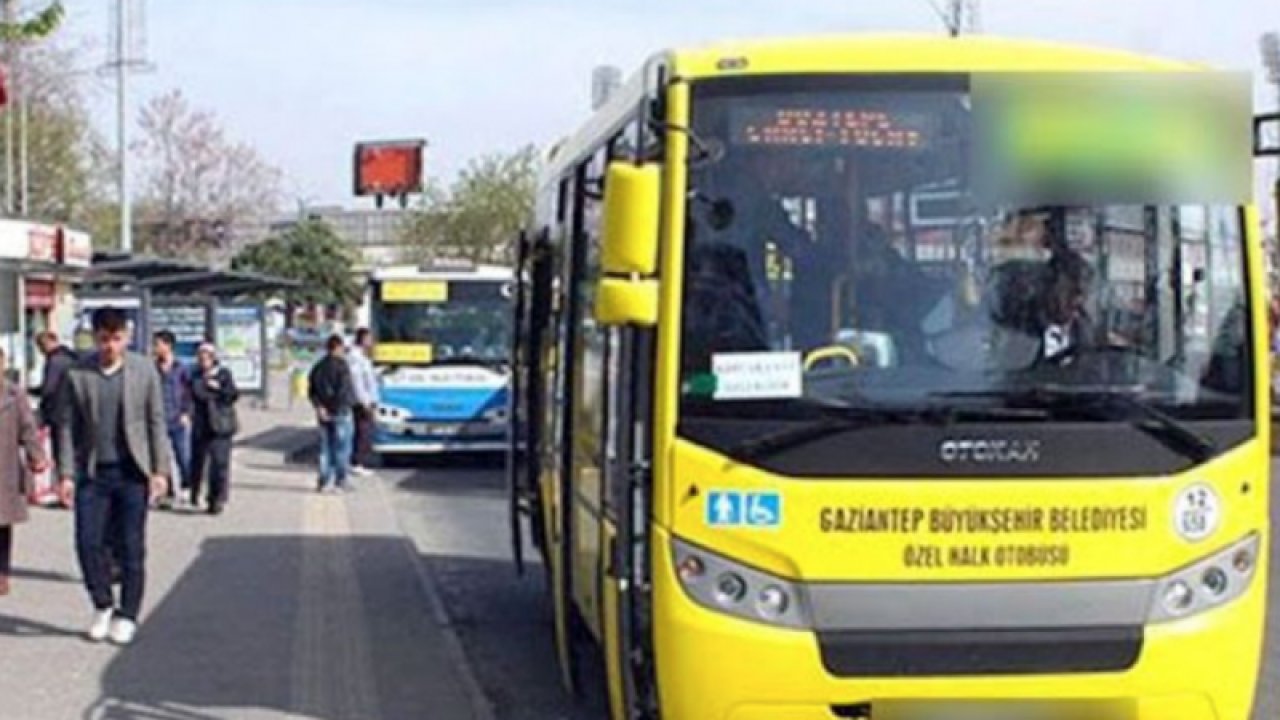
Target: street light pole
[
  {"x": 11, "y": 58},
  {"x": 122, "y": 118}
]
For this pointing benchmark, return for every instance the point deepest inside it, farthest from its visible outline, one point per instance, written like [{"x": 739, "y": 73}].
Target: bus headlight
[
  {"x": 730, "y": 589},
  {"x": 726, "y": 586},
  {"x": 392, "y": 414},
  {"x": 773, "y": 602},
  {"x": 1208, "y": 584},
  {"x": 496, "y": 415},
  {"x": 1178, "y": 598}
]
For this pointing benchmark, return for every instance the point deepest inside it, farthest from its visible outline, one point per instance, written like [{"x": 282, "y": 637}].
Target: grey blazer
[{"x": 146, "y": 434}]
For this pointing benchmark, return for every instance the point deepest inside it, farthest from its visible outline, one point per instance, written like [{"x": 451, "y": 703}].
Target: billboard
[{"x": 389, "y": 168}]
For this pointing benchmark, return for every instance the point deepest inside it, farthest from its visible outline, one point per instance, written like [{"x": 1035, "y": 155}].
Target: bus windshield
[
  {"x": 835, "y": 257},
  {"x": 442, "y": 322}
]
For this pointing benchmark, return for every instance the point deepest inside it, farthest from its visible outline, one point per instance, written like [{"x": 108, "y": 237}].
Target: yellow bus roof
[{"x": 905, "y": 53}]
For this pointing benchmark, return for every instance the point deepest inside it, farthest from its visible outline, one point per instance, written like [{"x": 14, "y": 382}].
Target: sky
[{"x": 303, "y": 80}]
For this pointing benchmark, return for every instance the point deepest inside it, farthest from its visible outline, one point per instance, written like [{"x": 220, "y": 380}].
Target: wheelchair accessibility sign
[{"x": 728, "y": 508}]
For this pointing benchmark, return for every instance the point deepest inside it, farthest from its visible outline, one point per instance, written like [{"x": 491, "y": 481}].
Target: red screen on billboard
[{"x": 389, "y": 168}]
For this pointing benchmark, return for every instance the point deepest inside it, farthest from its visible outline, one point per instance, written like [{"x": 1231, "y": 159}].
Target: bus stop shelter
[{"x": 195, "y": 302}]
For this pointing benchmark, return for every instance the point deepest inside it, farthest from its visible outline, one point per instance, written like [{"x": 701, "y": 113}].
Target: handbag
[{"x": 223, "y": 418}]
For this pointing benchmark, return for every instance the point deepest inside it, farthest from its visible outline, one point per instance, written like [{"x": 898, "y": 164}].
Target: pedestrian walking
[
  {"x": 333, "y": 397},
  {"x": 58, "y": 359},
  {"x": 175, "y": 383},
  {"x": 113, "y": 461},
  {"x": 20, "y": 453},
  {"x": 214, "y": 393},
  {"x": 364, "y": 380}
]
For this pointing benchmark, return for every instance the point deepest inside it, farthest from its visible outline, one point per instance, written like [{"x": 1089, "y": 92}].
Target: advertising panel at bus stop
[
  {"x": 240, "y": 331},
  {"x": 189, "y": 323}
]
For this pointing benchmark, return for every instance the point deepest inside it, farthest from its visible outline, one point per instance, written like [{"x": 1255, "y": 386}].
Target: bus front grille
[{"x": 915, "y": 653}]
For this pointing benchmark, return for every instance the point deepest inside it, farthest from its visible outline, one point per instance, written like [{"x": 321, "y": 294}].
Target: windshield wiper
[
  {"x": 1173, "y": 432},
  {"x": 842, "y": 418}
]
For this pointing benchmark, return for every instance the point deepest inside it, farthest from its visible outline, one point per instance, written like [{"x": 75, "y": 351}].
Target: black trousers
[
  {"x": 211, "y": 452},
  {"x": 6, "y": 550},
  {"x": 111, "y": 514},
  {"x": 362, "y": 449}
]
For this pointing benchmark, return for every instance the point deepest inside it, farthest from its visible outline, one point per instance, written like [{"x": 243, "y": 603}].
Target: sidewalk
[{"x": 290, "y": 605}]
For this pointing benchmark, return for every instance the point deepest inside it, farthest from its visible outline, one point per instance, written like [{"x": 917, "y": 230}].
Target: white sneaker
[
  {"x": 361, "y": 471},
  {"x": 101, "y": 626},
  {"x": 123, "y": 630}
]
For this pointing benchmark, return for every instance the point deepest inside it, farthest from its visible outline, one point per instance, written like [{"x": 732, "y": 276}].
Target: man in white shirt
[{"x": 365, "y": 381}]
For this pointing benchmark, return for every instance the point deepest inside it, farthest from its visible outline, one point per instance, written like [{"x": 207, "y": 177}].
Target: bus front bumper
[
  {"x": 440, "y": 436},
  {"x": 713, "y": 666}
]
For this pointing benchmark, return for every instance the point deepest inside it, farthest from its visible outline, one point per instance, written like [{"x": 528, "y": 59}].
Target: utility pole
[
  {"x": 11, "y": 58},
  {"x": 24, "y": 167},
  {"x": 967, "y": 17},
  {"x": 961, "y": 17},
  {"x": 127, "y": 56}
]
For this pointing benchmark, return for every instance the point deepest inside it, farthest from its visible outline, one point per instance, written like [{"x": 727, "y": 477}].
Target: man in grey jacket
[{"x": 113, "y": 461}]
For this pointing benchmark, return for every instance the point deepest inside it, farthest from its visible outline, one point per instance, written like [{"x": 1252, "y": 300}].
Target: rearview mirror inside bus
[
  {"x": 627, "y": 301},
  {"x": 631, "y": 198}
]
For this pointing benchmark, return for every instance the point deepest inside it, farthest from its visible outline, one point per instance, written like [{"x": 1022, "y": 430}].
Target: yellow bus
[{"x": 895, "y": 377}]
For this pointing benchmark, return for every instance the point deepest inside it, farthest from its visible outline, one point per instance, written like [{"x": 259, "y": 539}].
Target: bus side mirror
[
  {"x": 631, "y": 205},
  {"x": 628, "y": 293},
  {"x": 625, "y": 301}
]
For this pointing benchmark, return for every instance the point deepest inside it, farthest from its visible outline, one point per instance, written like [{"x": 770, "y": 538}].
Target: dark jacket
[
  {"x": 145, "y": 433},
  {"x": 214, "y": 410},
  {"x": 329, "y": 386},
  {"x": 56, "y": 366},
  {"x": 176, "y": 384}
]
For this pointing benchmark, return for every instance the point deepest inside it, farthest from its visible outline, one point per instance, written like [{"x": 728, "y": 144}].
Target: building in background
[
  {"x": 39, "y": 265},
  {"x": 373, "y": 234}
]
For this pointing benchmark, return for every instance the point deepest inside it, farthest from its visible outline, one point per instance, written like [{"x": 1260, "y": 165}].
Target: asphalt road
[{"x": 456, "y": 514}]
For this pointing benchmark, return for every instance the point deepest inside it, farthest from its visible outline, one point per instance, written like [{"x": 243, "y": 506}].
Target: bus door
[
  {"x": 531, "y": 314},
  {"x": 625, "y": 395}
]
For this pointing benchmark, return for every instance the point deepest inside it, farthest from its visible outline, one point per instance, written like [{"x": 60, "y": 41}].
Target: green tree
[
  {"x": 40, "y": 25},
  {"x": 480, "y": 214},
  {"x": 312, "y": 254}
]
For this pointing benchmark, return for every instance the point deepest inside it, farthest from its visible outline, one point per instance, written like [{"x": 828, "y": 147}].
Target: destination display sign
[
  {"x": 1037, "y": 537},
  {"x": 850, "y": 126}
]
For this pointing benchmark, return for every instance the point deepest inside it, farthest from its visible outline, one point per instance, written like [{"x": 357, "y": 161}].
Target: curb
[{"x": 481, "y": 707}]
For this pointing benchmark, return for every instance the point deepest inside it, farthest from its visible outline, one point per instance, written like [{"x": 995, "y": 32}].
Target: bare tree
[
  {"x": 196, "y": 183},
  {"x": 69, "y": 166}
]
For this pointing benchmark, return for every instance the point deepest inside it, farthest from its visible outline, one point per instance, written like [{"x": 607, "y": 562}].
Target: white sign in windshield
[{"x": 757, "y": 376}]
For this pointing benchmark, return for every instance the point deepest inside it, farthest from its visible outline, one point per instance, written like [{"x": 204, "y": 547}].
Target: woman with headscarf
[
  {"x": 214, "y": 423},
  {"x": 20, "y": 453}
]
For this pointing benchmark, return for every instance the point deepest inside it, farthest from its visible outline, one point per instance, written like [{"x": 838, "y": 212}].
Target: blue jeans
[
  {"x": 111, "y": 514},
  {"x": 180, "y": 441},
  {"x": 336, "y": 438}
]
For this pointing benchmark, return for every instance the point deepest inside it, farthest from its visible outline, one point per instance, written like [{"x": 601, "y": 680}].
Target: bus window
[{"x": 797, "y": 247}]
